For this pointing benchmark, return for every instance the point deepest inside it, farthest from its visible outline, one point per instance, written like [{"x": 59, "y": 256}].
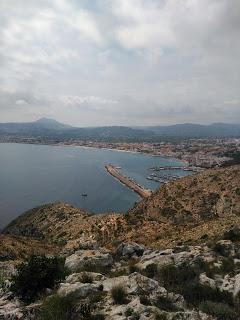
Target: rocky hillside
[
  {"x": 135, "y": 283},
  {"x": 188, "y": 210}
]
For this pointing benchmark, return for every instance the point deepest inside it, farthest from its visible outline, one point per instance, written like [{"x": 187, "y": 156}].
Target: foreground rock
[
  {"x": 144, "y": 291},
  {"x": 89, "y": 258}
]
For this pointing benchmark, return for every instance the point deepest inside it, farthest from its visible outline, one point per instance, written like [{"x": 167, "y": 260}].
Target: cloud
[{"x": 120, "y": 61}]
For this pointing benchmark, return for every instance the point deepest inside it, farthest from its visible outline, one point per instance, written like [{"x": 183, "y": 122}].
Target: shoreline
[{"x": 183, "y": 162}]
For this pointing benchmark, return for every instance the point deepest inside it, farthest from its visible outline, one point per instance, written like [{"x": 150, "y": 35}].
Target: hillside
[{"x": 190, "y": 209}]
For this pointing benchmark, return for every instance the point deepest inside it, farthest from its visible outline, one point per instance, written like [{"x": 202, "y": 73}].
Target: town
[{"x": 203, "y": 153}]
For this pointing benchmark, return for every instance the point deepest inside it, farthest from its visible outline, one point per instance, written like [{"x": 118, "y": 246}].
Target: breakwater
[{"x": 131, "y": 184}]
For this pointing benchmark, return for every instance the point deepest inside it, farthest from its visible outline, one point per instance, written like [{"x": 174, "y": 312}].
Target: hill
[
  {"x": 188, "y": 210},
  {"x": 190, "y": 130}
]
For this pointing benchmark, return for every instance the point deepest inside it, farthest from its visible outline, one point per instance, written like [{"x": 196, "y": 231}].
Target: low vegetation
[
  {"x": 119, "y": 294},
  {"x": 221, "y": 311},
  {"x": 35, "y": 275},
  {"x": 56, "y": 308}
]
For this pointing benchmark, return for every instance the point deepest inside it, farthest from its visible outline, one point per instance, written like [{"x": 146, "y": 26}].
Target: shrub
[
  {"x": 198, "y": 293},
  {"x": 86, "y": 277},
  {"x": 219, "y": 248},
  {"x": 35, "y": 275},
  {"x": 168, "y": 212},
  {"x": 135, "y": 316},
  {"x": 151, "y": 270},
  {"x": 232, "y": 234},
  {"x": 56, "y": 308},
  {"x": 118, "y": 294},
  {"x": 221, "y": 311},
  {"x": 227, "y": 265},
  {"x": 164, "y": 303},
  {"x": 160, "y": 316},
  {"x": 3, "y": 278},
  {"x": 175, "y": 276},
  {"x": 129, "y": 312},
  {"x": 145, "y": 300}
]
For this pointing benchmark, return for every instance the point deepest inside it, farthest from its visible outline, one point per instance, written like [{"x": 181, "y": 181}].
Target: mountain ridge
[{"x": 45, "y": 127}]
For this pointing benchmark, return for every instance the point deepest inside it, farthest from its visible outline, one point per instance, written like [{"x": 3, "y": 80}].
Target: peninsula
[{"x": 131, "y": 184}]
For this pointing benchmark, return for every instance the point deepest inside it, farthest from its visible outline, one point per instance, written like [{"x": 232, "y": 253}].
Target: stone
[
  {"x": 129, "y": 250},
  {"x": 76, "y": 277},
  {"x": 77, "y": 290},
  {"x": 91, "y": 258},
  {"x": 203, "y": 279}
]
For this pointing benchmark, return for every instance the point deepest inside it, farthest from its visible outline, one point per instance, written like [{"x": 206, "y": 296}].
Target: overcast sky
[{"x": 120, "y": 62}]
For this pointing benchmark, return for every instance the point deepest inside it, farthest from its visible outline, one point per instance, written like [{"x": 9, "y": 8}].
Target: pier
[{"x": 131, "y": 184}]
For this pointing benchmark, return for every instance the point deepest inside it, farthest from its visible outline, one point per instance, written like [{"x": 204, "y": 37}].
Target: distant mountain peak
[
  {"x": 46, "y": 120},
  {"x": 51, "y": 123}
]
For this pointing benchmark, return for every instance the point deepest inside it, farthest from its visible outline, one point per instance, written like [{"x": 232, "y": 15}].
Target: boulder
[
  {"x": 135, "y": 283},
  {"x": 77, "y": 290},
  {"x": 129, "y": 250},
  {"x": 89, "y": 258},
  {"x": 157, "y": 257},
  {"x": 76, "y": 277}
]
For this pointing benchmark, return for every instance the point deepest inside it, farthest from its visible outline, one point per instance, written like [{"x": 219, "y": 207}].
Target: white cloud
[{"x": 122, "y": 60}]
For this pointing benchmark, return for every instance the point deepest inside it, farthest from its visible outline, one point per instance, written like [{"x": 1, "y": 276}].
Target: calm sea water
[{"x": 31, "y": 175}]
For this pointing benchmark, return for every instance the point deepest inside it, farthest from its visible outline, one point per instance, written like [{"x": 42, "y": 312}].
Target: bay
[{"x": 32, "y": 175}]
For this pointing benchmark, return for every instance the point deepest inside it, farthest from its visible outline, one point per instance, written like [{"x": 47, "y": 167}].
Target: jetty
[{"x": 128, "y": 182}]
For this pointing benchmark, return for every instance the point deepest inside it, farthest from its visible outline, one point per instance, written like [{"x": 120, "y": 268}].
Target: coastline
[{"x": 183, "y": 162}]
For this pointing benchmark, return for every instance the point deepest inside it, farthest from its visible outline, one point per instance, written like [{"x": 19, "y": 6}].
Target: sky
[{"x": 120, "y": 62}]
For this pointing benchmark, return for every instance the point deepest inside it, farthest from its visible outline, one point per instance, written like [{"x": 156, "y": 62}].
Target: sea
[{"x": 32, "y": 175}]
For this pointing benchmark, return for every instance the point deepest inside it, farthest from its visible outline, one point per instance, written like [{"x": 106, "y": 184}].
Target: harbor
[{"x": 128, "y": 182}]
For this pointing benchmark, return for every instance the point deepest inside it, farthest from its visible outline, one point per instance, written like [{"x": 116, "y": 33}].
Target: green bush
[
  {"x": 197, "y": 293},
  {"x": 3, "y": 278},
  {"x": 227, "y": 265},
  {"x": 165, "y": 304},
  {"x": 119, "y": 294},
  {"x": 56, "y": 308},
  {"x": 232, "y": 234},
  {"x": 35, "y": 275},
  {"x": 145, "y": 300},
  {"x": 160, "y": 316},
  {"x": 175, "y": 276},
  {"x": 151, "y": 270},
  {"x": 219, "y": 249},
  {"x": 129, "y": 312},
  {"x": 221, "y": 311},
  {"x": 135, "y": 316}
]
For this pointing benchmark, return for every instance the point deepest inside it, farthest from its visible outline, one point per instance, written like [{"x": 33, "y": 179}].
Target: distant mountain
[
  {"x": 51, "y": 124},
  {"x": 41, "y": 126},
  {"x": 197, "y": 130},
  {"x": 51, "y": 129}
]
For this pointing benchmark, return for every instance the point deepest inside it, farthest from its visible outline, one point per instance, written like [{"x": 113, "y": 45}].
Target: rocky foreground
[{"x": 185, "y": 282}]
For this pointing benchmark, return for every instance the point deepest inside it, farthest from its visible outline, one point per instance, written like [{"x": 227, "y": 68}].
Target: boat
[{"x": 84, "y": 195}]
